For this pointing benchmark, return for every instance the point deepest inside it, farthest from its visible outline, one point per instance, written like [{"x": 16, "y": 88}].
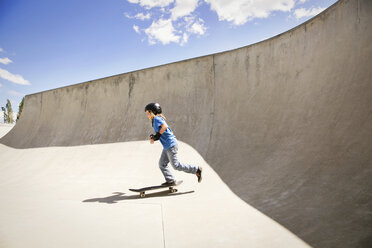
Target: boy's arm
[
  {"x": 158, "y": 134},
  {"x": 163, "y": 128}
]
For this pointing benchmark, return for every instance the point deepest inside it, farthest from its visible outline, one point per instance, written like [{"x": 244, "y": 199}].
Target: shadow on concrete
[{"x": 119, "y": 196}]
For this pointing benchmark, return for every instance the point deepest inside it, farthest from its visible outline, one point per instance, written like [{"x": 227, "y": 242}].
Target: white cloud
[
  {"x": 300, "y": 13},
  {"x": 148, "y": 4},
  {"x": 1, "y": 50},
  {"x": 176, "y": 20},
  {"x": 170, "y": 22},
  {"x": 198, "y": 27},
  {"x": 139, "y": 16},
  {"x": 302, "y": 1},
  {"x": 163, "y": 31},
  {"x": 136, "y": 28},
  {"x": 185, "y": 39},
  {"x": 142, "y": 17},
  {"x": 128, "y": 15},
  {"x": 183, "y": 8},
  {"x": 241, "y": 11},
  {"x": 5, "y": 61},
  {"x": 17, "y": 79}
]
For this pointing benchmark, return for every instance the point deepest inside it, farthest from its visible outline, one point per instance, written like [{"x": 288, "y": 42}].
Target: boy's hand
[{"x": 151, "y": 140}]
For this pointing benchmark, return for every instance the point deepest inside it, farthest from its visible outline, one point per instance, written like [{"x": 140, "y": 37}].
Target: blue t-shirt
[{"x": 167, "y": 139}]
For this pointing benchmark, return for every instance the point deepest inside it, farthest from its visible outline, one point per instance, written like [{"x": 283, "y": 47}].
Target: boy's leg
[
  {"x": 172, "y": 157},
  {"x": 163, "y": 165}
]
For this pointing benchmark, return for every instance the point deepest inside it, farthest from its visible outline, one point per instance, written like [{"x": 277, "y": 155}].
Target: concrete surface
[
  {"x": 286, "y": 123},
  {"x": 5, "y": 128},
  {"x": 79, "y": 197}
]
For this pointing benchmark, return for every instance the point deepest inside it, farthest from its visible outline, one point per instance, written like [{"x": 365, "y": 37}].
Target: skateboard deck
[{"x": 143, "y": 190}]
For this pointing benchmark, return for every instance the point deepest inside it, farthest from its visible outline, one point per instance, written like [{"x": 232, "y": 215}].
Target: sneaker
[
  {"x": 171, "y": 183},
  {"x": 199, "y": 174}
]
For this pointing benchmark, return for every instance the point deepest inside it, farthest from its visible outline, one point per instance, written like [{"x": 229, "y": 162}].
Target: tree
[
  {"x": 20, "y": 108},
  {"x": 9, "y": 112},
  {"x": 4, "y": 114}
]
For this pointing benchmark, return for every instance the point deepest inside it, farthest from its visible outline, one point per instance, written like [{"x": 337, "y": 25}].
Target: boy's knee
[
  {"x": 162, "y": 164},
  {"x": 176, "y": 165}
]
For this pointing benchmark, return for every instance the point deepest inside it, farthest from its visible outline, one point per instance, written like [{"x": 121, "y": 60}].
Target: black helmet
[{"x": 153, "y": 107}]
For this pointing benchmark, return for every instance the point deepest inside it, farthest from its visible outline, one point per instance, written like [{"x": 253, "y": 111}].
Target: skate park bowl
[{"x": 282, "y": 127}]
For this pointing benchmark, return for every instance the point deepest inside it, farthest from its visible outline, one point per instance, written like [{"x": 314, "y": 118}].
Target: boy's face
[{"x": 148, "y": 114}]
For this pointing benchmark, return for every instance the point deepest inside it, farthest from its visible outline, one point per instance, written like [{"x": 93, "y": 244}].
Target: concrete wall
[{"x": 286, "y": 123}]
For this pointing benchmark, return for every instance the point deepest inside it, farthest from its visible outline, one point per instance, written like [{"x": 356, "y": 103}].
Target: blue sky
[{"x": 46, "y": 44}]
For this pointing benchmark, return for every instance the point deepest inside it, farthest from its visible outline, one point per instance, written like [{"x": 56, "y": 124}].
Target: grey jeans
[{"x": 170, "y": 155}]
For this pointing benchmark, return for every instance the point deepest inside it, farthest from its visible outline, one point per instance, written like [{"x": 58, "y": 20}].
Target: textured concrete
[
  {"x": 79, "y": 197},
  {"x": 5, "y": 128},
  {"x": 286, "y": 123}
]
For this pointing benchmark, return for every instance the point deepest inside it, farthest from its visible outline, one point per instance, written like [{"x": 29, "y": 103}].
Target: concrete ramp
[
  {"x": 285, "y": 123},
  {"x": 79, "y": 197},
  {"x": 5, "y": 128}
]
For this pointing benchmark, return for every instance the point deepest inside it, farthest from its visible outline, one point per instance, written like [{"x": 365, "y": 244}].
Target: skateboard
[{"x": 143, "y": 190}]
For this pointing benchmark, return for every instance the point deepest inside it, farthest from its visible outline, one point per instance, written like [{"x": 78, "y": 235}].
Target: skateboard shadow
[{"x": 119, "y": 196}]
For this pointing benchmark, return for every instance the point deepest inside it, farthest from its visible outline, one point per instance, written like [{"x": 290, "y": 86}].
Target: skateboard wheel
[
  {"x": 174, "y": 190},
  {"x": 142, "y": 194}
]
